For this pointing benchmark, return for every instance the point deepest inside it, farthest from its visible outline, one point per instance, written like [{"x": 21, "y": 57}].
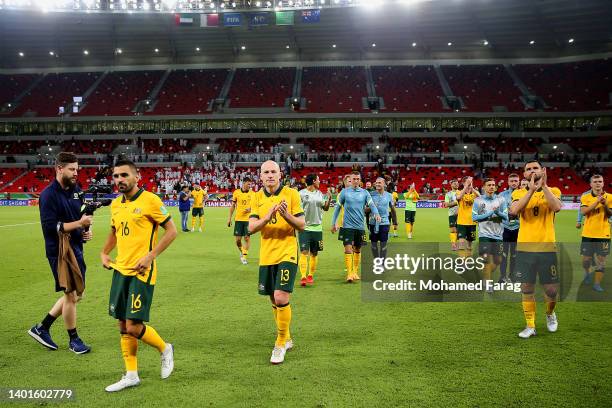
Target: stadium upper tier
[{"x": 571, "y": 87}]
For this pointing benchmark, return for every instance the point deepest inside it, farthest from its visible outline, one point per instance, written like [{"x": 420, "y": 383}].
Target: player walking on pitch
[
  {"x": 353, "y": 199},
  {"x": 311, "y": 239},
  {"x": 276, "y": 212},
  {"x": 241, "y": 203},
  {"x": 136, "y": 216},
  {"x": 489, "y": 210},
  {"x": 536, "y": 254},
  {"x": 596, "y": 232}
]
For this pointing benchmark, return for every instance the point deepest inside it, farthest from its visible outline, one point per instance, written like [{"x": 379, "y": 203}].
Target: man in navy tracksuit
[
  {"x": 60, "y": 211},
  {"x": 184, "y": 206}
]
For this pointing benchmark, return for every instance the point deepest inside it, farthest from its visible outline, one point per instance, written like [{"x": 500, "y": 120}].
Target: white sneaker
[
  {"x": 200, "y": 229},
  {"x": 410, "y": 236},
  {"x": 192, "y": 229},
  {"x": 243, "y": 260},
  {"x": 167, "y": 361},
  {"x": 278, "y": 355},
  {"x": 527, "y": 333},
  {"x": 124, "y": 383},
  {"x": 551, "y": 322},
  {"x": 288, "y": 345}
]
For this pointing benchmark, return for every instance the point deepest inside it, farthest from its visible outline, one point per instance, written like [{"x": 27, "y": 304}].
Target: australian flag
[{"x": 311, "y": 16}]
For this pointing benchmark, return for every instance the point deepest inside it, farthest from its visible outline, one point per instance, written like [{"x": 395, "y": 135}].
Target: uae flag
[
  {"x": 183, "y": 19},
  {"x": 209, "y": 20}
]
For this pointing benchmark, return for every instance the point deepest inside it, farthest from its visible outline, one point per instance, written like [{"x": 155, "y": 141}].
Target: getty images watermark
[{"x": 431, "y": 272}]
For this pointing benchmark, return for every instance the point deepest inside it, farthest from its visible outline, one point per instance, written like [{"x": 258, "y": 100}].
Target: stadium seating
[
  {"x": 21, "y": 147},
  {"x": 408, "y": 88},
  {"x": 189, "y": 91},
  {"x": 261, "y": 87},
  {"x": 119, "y": 92},
  {"x": 508, "y": 145},
  {"x": 53, "y": 91},
  {"x": 171, "y": 145},
  {"x": 585, "y": 144},
  {"x": 12, "y": 85},
  {"x": 335, "y": 145},
  {"x": 230, "y": 145},
  {"x": 483, "y": 86},
  {"x": 414, "y": 145},
  {"x": 570, "y": 87},
  {"x": 334, "y": 89}
]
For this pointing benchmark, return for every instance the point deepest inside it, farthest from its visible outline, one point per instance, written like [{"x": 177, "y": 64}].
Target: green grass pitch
[{"x": 347, "y": 352}]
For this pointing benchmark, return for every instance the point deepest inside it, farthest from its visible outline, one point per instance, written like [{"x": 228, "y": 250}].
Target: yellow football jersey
[
  {"x": 135, "y": 223},
  {"x": 242, "y": 199},
  {"x": 198, "y": 198},
  {"x": 596, "y": 224},
  {"x": 537, "y": 222},
  {"x": 278, "y": 239},
  {"x": 464, "y": 214},
  {"x": 395, "y": 197}
]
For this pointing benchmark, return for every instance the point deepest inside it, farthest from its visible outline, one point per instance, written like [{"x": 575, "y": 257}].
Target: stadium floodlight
[
  {"x": 21, "y": 54},
  {"x": 414, "y": 44},
  {"x": 531, "y": 42},
  {"x": 170, "y": 4},
  {"x": 333, "y": 45},
  {"x": 86, "y": 52},
  {"x": 373, "y": 45},
  {"x": 243, "y": 47},
  {"x": 449, "y": 43},
  {"x": 571, "y": 41},
  {"x": 119, "y": 51},
  {"x": 555, "y": 147},
  {"x": 485, "y": 42},
  {"x": 51, "y": 53},
  {"x": 156, "y": 50},
  {"x": 197, "y": 48}
]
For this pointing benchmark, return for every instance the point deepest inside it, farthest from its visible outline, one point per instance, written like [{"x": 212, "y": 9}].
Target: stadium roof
[{"x": 437, "y": 29}]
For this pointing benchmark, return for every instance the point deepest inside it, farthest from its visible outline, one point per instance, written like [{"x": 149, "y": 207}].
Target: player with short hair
[
  {"x": 450, "y": 202},
  {"x": 466, "y": 227},
  {"x": 411, "y": 198},
  {"x": 241, "y": 204},
  {"x": 489, "y": 211},
  {"x": 596, "y": 232},
  {"x": 353, "y": 199},
  {"x": 199, "y": 198},
  {"x": 311, "y": 239},
  {"x": 524, "y": 184},
  {"x": 276, "y": 211},
  {"x": 536, "y": 254},
  {"x": 136, "y": 217},
  {"x": 379, "y": 231},
  {"x": 511, "y": 229}
]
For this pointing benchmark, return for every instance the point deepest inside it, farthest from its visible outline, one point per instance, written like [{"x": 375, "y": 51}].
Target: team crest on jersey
[{"x": 75, "y": 196}]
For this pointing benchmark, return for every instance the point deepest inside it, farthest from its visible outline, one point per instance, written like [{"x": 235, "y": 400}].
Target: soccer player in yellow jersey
[
  {"x": 466, "y": 227},
  {"x": 595, "y": 206},
  {"x": 135, "y": 219},
  {"x": 411, "y": 198},
  {"x": 241, "y": 204},
  {"x": 199, "y": 198},
  {"x": 536, "y": 250},
  {"x": 276, "y": 211}
]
